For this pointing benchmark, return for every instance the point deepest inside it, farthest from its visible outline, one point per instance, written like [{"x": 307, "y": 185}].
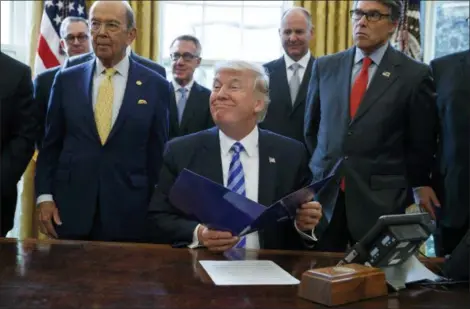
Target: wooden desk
[{"x": 68, "y": 274}]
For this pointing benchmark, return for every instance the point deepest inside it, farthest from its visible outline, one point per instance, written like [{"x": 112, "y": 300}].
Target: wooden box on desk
[{"x": 333, "y": 286}]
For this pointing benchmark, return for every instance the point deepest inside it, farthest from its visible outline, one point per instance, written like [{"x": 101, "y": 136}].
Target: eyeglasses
[
  {"x": 110, "y": 26},
  {"x": 370, "y": 16},
  {"x": 185, "y": 56},
  {"x": 80, "y": 38}
]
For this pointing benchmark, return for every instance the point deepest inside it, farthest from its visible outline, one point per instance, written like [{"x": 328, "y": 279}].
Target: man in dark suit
[
  {"x": 75, "y": 40},
  {"x": 451, "y": 75},
  {"x": 374, "y": 108},
  {"x": 149, "y": 64},
  {"x": 106, "y": 128},
  {"x": 289, "y": 76},
  {"x": 18, "y": 131},
  {"x": 256, "y": 163},
  {"x": 189, "y": 105}
]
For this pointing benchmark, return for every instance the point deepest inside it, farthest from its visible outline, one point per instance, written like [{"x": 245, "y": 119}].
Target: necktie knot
[
  {"x": 295, "y": 67},
  {"x": 237, "y": 148},
  {"x": 182, "y": 91},
  {"x": 366, "y": 62},
  {"x": 110, "y": 72}
]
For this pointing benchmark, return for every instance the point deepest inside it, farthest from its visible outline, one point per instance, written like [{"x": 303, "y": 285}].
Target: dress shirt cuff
[
  {"x": 195, "y": 243},
  {"x": 311, "y": 239},
  {"x": 44, "y": 198}
]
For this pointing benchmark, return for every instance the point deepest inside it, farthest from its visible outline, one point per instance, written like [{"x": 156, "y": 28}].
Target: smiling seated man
[{"x": 256, "y": 163}]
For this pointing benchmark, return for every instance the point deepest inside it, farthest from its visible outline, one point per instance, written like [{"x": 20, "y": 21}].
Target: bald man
[{"x": 289, "y": 75}]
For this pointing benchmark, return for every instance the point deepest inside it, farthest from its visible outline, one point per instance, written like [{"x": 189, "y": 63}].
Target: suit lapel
[
  {"x": 465, "y": 69},
  {"x": 130, "y": 98},
  {"x": 210, "y": 159},
  {"x": 304, "y": 85},
  {"x": 89, "y": 112},
  {"x": 280, "y": 82},
  {"x": 267, "y": 170},
  {"x": 174, "y": 125},
  {"x": 344, "y": 73},
  {"x": 191, "y": 107},
  {"x": 384, "y": 77}
]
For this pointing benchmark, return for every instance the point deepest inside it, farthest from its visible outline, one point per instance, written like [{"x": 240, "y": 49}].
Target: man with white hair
[{"x": 269, "y": 166}]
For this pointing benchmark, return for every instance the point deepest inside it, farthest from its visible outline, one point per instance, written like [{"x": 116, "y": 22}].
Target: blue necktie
[
  {"x": 180, "y": 105},
  {"x": 236, "y": 179}
]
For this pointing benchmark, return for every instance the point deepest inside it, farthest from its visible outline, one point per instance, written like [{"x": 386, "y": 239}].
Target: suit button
[
  {"x": 350, "y": 133},
  {"x": 346, "y": 157}
]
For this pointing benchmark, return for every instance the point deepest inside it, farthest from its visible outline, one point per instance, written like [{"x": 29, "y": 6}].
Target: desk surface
[{"x": 68, "y": 274}]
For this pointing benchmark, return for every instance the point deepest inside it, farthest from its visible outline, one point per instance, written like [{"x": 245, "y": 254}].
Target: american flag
[{"x": 48, "y": 53}]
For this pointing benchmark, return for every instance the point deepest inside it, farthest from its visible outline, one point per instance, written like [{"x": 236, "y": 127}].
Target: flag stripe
[{"x": 48, "y": 58}]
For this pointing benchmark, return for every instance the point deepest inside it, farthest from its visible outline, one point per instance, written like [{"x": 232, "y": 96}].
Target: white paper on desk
[{"x": 250, "y": 272}]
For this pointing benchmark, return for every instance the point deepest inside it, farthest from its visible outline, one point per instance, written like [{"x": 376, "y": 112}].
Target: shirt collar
[
  {"x": 303, "y": 61},
  {"x": 376, "y": 56},
  {"x": 249, "y": 142},
  {"x": 122, "y": 67},
  {"x": 177, "y": 86}
]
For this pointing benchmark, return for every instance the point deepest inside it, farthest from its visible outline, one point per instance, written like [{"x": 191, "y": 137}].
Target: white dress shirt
[
  {"x": 119, "y": 85},
  {"x": 303, "y": 66},
  {"x": 250, "y": 162}
]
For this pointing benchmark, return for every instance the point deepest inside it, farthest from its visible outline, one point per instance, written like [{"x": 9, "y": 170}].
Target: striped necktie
[{"x": 236, "y": 179}]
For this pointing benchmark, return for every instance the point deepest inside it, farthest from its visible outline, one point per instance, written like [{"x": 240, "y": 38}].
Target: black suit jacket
[
  {"x": 452, "y": 74},
  {"x": 196, "y": 114},
  {"x": 139, "y": 59},
  {"x": 18, "y": 130},
  {"x": 283, "y": 117},
  {"x": 42, "y": 91},
  {"x": 200, "y": 153},
  {"x": 387, "y": 148}
]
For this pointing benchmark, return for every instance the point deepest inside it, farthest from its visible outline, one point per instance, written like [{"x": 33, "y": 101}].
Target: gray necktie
[
  {"x": 180, "y": 105},
  {"x": 294, "y": 83}
]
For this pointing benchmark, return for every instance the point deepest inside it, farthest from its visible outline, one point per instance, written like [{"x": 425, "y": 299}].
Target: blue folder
[{"x": 222, "y": 209}]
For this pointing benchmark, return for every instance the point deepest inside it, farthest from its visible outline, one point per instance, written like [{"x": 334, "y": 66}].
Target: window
[
  {"x": 446, "y": 29},
  {"x": 16, "y": 28},
  {"x": 227, "y": 29}
]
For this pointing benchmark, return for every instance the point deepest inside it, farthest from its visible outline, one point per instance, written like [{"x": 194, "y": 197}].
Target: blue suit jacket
[{"x": 120, "y": 175}]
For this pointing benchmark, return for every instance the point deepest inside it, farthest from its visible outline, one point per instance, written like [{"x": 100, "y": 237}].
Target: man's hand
[
  {"x": 308, "y": 216},
  {"x": 426, "y": 198},
  {"x": 47, "y": 211},
  {"x": 216, "y": 240}
]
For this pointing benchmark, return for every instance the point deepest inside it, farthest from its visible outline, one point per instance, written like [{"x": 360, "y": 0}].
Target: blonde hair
[{"x": 261, "y": 84}]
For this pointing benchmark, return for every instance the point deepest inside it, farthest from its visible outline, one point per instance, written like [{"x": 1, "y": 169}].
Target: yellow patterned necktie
[{"x": 104, "y": 105}]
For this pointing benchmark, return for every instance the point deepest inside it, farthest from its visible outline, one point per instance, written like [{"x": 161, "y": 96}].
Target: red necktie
[{"x": 357, "y": 92}]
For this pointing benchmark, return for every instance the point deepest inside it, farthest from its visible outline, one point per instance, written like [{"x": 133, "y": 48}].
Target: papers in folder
[
  {"x": 247, "y": 273},
  {"x": 221, "y": 209}
]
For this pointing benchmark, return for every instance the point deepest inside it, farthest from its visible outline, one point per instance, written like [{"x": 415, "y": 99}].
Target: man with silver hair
[{"x": 256, "y": 163}]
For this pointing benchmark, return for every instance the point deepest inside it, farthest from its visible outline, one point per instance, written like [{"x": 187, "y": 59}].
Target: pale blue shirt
[{"x": 376, "y": 57}]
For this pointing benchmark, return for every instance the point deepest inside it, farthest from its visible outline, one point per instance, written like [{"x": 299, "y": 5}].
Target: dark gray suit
[
  {"x": 200, "y": 153},
  {"x": 42, "y": 91},
  {"x": 283, "y": 117},
  {"x": 452, "y": 74},
  {"x": 387, "y": 148},
  {"x": 196, "y": 114}
]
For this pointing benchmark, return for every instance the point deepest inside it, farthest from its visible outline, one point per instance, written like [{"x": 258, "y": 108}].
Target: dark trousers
[
  {"x": 336, "y": 236},
  {"x": 96, "y": 233},
  {"x": 446, "y": 239},
  {"x": 7, "y": 211}
]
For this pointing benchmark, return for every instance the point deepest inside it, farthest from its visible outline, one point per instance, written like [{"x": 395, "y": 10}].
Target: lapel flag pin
[
  {"x": 142, "y": 102},
  {"x": 138, "y": 83},
  {"x": 272, "y": 160},
  {"x": 386, "y": 74}
]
